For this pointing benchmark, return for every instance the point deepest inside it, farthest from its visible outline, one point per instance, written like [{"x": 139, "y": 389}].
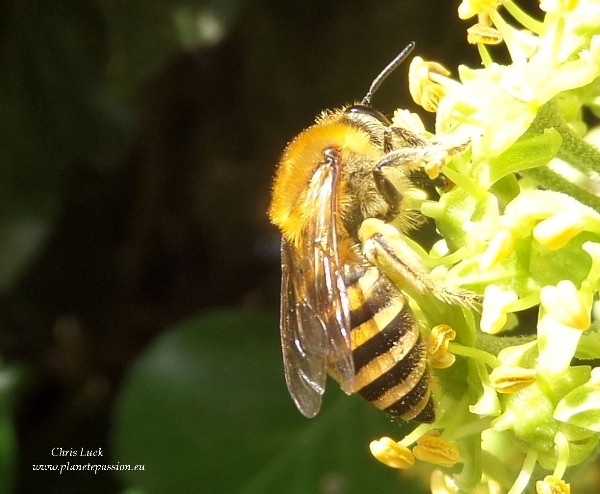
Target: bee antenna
[{"x": 366, "y": 101}]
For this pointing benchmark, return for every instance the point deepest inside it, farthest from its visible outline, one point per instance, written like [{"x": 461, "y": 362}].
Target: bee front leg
[
  {"x": 403, "y": 137},
  {"x": 430, "y": 155},
  {"x": 385, "y": 247},
  {"x": 408, "y": 159}
]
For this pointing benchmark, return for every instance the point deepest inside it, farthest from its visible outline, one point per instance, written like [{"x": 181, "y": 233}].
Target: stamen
[{"x": 391, "y": 453}]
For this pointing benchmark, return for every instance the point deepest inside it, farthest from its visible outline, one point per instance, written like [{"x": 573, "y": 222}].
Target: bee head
[{"x": 367, "y": 111}]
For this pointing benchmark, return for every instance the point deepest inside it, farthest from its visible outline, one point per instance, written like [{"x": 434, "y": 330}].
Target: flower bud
[
  {"x": 495, "y": 307},
  {"x": 499, "y": 248},
  {"x": 563, "y": 304},
  {"x": 556, "y": 231}
]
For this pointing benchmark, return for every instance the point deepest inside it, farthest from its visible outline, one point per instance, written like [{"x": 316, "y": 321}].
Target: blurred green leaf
[
  {"x": 205, "y": 409},
  {"x": 142, "y": 35}
]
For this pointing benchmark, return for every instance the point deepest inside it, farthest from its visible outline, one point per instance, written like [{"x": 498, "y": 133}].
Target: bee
[{"x": 339, "y": 186}]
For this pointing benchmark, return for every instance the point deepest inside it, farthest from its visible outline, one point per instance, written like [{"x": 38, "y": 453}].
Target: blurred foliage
[
  {"x": 7, "y": 430},
  {"x": 204, "y": 413},
  {"x": 139, "y": 139},
  {"x": 70, "y": 72}
]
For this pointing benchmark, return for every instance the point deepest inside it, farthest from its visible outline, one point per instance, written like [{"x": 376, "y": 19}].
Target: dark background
[{"x": 139, "y": 276}]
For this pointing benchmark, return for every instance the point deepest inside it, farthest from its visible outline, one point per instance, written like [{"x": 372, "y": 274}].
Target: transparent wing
[
  {"x": 315, "y": 322},
  {"x": 303, "y": 340}
]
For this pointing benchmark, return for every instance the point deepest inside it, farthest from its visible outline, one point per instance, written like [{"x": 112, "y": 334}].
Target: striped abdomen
[{"x": 389, "y": 356}]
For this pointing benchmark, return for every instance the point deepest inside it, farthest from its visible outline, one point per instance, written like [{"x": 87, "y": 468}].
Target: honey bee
[{"x": 338, "y": 188}]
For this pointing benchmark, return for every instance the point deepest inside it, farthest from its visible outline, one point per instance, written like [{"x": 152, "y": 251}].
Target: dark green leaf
[{"x": 206, "y": 410}]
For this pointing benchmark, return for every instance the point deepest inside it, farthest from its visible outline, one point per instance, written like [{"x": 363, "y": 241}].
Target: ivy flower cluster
[{"x": 517, "y": 392}]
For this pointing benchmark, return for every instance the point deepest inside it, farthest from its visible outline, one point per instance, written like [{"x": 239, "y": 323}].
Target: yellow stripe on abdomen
[{"x": 389, "y": 356}]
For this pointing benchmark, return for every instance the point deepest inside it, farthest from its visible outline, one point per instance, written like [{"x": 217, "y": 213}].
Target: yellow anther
[
  {"x": 436, "y": 450},
  {"x": 510, "y": 379},
  {"x": 552, "y": 485},
  {"x": 557, "y": 230},
  {"x": 482, "y": 33},
  {"x": 564, "y": 305},
  {"x": 499, "y": 248},
  {"x": 437, "y": 346},
  {"x": 469, "y": 8},
  {"x": 419, "y": 84},
  {"x": 391, "y": 453},
  {"x": 496, "y": 303},
  {"x": 431, "y": 97},
  {"x": 442, "y": 484}
]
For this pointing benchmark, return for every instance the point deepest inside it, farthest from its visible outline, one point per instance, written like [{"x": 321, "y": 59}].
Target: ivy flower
[
  {"x": 517, "y": 411},
  {"x": 494, "y": 106}
]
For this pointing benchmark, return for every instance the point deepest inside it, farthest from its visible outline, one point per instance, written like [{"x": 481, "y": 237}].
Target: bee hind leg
[{"x": 385, "y": 247}]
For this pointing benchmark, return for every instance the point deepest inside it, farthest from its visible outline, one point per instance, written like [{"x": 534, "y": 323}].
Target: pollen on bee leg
[
  {"x": 391, "y": 453},
  {"x": 510, "y": 379},
  {"x": 552, "y": 485},
  {"x": 373, "y": 226},
  {"x": 436, "y": 450},
  {"x": 437, "y": 346},
  {"x": 441, "y": 483},
  {"x": 434, "y": 164}
]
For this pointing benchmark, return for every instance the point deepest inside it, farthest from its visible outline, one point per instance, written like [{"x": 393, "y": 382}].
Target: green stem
[
  {"x": 525, "y": 474},
  {"x": 480, "y": 355},
  {"x": 510, "y": 41},
  {"x": 574, "y": 150},
  {"x": 562, "y": 445},
  {"x": 471, "y": 429},
  {"x": 526, "y": 20},
  {"x": 456, "y": 417},
  {"x": 416, "y": 434},
  {"x": 486, "y": 59},
  {"x": 553, "y": 181}
]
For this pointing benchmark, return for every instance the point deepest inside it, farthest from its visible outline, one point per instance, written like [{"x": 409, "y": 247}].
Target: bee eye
[{"x": 367, "y": 110}]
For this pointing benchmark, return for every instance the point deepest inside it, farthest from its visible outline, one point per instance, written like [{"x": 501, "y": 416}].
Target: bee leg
[
  {"x": 391, "y": 195},
  {"x": 386, "y": 247},
  {"x": 407, "y": 138},
  {"x": 398, "y": 138},
  {"x": 432, "y": 156},
  {"x": 409, "y": 159}
]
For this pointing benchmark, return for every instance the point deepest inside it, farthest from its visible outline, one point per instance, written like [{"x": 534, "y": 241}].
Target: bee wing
[
  {"x": 315, "y": 314},
  {"x": 303, "y": 340}
]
